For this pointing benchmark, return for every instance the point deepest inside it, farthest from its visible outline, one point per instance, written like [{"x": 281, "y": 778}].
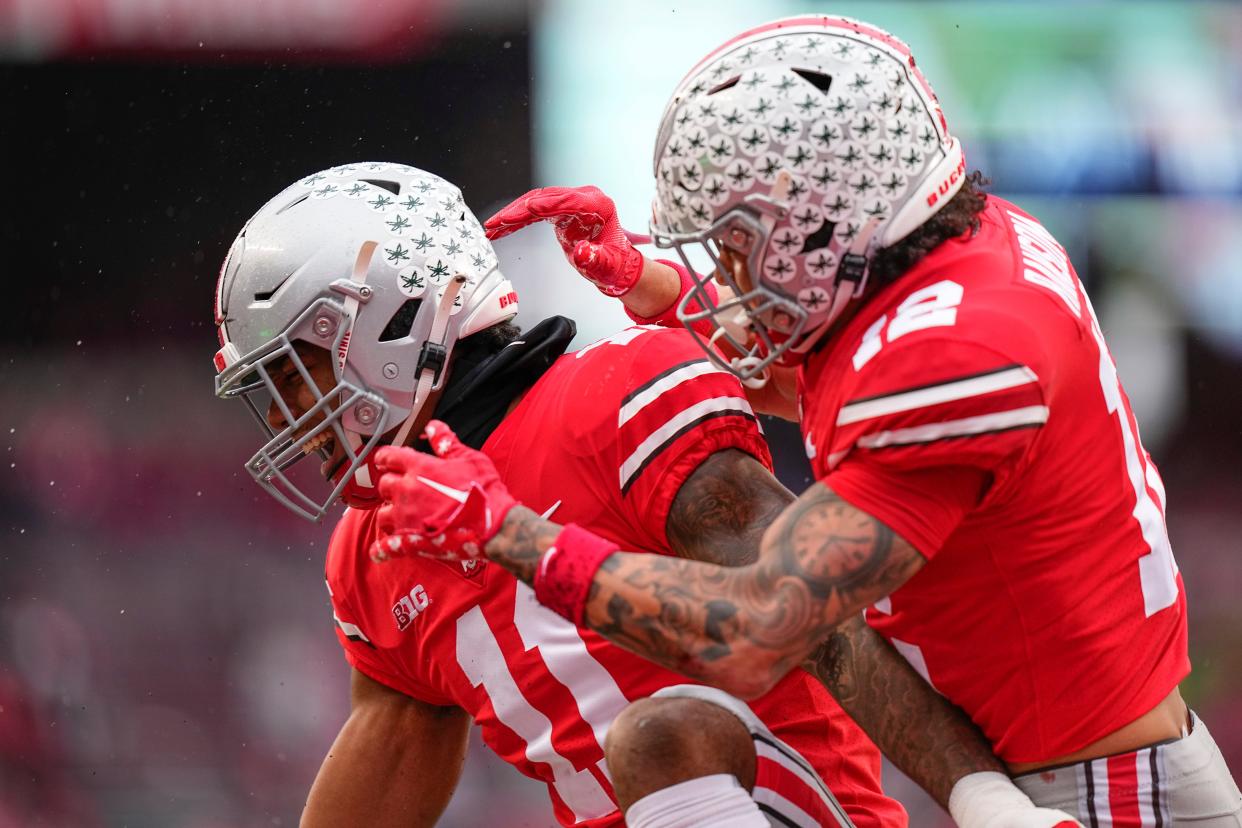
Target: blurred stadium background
[{"x": 166, "y": 653}]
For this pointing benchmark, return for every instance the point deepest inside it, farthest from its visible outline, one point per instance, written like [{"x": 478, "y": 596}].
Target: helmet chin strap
[
  {"x": 362, "y": 475},
  {"x": 759, "y": 380},
  {"x": 362, "y": 263},
  {"x": 427, "y": 377},
  {"x": 353, "y": 292},
  {"x": 737, "y": 327},
  {"x": 779, "y": 195}
]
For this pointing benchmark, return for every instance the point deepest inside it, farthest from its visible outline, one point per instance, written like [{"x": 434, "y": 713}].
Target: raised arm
[
  {"x": 395, "y": 762},
  {"x": 586, "y": 225}
]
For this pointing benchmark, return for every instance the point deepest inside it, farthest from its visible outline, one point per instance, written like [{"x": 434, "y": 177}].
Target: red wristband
[
  {"x": 563, "y": 579},
  {"x": 668, "y": 318}
]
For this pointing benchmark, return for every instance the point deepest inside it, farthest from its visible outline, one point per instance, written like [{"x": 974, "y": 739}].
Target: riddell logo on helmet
[
  {"x": 947, "y": 184},
  {"x": 508, "y": 299}
]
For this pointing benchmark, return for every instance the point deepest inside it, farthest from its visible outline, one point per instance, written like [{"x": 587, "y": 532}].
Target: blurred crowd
[{"x": 166, "y": 646}]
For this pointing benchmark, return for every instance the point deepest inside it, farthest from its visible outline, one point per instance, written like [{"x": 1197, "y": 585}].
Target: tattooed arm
[
  {"x": 700, "y": 624},
  {"x": 719, "y": 516},
  {"x": 929, "y": 738},
  {"x": 741, "y": 628}
]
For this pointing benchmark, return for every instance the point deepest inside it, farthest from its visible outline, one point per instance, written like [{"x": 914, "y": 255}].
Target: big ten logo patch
[{"x": 408, "y": 608}]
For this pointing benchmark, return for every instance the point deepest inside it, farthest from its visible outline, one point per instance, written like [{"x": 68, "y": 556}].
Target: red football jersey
[
  {"x": 974, "y": 408},
  {"x": 604, "y": 439}
]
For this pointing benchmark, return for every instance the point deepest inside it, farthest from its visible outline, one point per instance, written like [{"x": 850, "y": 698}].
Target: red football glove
[
  {"x": 448, "y": 506},
  {"x": 587, "y": 228}
]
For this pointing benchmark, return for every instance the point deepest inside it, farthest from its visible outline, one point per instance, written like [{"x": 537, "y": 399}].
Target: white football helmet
[
  {"x": 385, "y": 267},
  {"x": 803, "y": 145}
]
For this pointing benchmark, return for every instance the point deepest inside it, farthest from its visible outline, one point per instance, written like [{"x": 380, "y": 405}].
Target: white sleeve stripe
[
  {"x": 668, "y": 382},
  {"x": 773, "y": 753},
  {"x": 967, "y": 427},
  {"x": 350, "y": 630},
  {"x": 655, "y": 441},
  {"x": 936, "y": 394},
  {"x": 1156, "y": 484}
]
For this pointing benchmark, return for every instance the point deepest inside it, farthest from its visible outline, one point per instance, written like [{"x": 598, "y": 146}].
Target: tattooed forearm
[
  {"x": 842, "y": 554},
  {"x": 521, "y": 541},
  {"x": 721, "y": 511},
  {"x": 744, "y": 628},
  {"x": 928, "y": 738}
]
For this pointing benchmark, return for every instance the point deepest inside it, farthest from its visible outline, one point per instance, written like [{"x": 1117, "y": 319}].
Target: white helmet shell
[
  {"x": 356, "y": 260},
  {"x": 822, "y": 135}
]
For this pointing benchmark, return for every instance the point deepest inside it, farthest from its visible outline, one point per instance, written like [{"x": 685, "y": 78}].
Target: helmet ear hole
[
  {"x": 391, "y": 186},
  {"x": 402, "y": 321},
  {"x": 266, "y": 295},
  {"x": 819, "y": 80},
  {"x": 820, "y": 238}
]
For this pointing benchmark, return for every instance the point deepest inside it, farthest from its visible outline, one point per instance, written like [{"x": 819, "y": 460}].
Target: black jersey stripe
[
  {"x": 797, "y": 759},
  {"x": 679, "y": 433},
  {"x": 936, "y": 384},
  {"x": 1089, "y": 775},
  {"x": 776, "y": 815},
  {"x": 659, "y": 377},
  {"x": 351, "y": 636},
  {"x": 949, "y": 437},
  {"x": 1155, "y": 785}
]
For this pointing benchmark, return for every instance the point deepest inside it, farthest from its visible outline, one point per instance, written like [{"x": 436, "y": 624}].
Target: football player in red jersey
[
  {"x": 982, "y": 492},
  {"x": 343, "y": 325}
]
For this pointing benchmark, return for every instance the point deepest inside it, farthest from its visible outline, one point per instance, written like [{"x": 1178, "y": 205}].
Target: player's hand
[
  {"x": 1033, "y": 818},
  {"x": 988, "y": 799},
  {"x": 586, "y": 225},
  {"x": 447, "y": 506}
]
